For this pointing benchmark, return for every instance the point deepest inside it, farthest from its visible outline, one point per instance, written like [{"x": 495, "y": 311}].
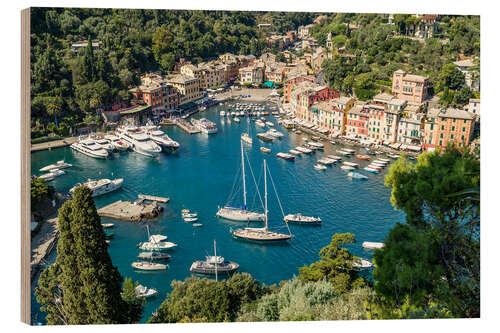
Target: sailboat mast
[
  {"x": 265, "y": 193},
  {"x": 215, "y": 251},
  {"x": 243, "y": 176}
]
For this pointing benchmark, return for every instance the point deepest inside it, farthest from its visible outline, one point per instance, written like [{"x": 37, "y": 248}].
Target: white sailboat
[
  {"x": 240, "y": 213},
  {"x": 263, "y": 234}
]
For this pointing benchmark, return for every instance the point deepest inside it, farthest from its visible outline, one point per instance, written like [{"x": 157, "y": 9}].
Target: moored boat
[
  {"x": 363, "y": 157},
  {"x": 356, "y": 175},
  {"x": 144, "y": 292},
  {"x": 101, "y": 186},
  {"x": 148, "y": 266},
  {"x": 265, "y": 150},
  {"x": 319, "y": 167},
  {"x": 299, "y": 218},
  {"x": 214, "y": 265},
  {"x": 286, "y": 156},
  {"x": 58, "y": 165}
]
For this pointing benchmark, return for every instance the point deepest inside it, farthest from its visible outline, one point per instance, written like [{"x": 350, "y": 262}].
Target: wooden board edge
[{"x": 25, "y": 168}]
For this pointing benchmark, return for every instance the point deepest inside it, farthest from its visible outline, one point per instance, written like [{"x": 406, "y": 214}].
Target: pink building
[{"x": 411, "y": 88}]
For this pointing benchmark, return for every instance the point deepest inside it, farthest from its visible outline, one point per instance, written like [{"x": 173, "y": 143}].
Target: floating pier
[
  {"x": 153, "y": 198},
  {"x": 130, "y": 211}
]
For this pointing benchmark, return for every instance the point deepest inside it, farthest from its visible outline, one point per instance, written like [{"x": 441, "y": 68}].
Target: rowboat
[
  {"x": 363, "y": 157},
  {"x": 369, "y": 169}
]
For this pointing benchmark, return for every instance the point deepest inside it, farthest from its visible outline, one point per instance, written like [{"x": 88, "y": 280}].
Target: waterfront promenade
[
  {"x": 53, "y": 144},
  {"x": 256, "y": 95}
]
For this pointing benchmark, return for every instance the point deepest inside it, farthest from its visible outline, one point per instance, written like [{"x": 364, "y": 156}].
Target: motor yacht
[
  {"x": 101, "y": 186},
  {"x": 90, "y": 148},
  {"x": 117, "y": 143},
  {"x": 139, "y": 141}
]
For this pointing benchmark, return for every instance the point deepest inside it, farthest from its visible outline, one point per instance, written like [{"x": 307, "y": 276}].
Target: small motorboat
[
  {"x": 299, "y": 218},
  {"x": 332, "y": 142},
  {"x": 148, "y": 266},
  {"x": 151, "y": 255},
  {"x": 286, "y": 156},
  {"x": 294, "y": 152},
  {"x": 363, "y": 157},
  {"x": 265, "y": 150},
  {"x": 355, "y": 175},
  {"x": 373, "y": 245},
  {"x": 58, "y": 165},
  {"x": 236, "y": 119},
  {"x": 319, "y": 167},
  {"x": 347, "y": 168},
  {"x": 107, "y": 225},
  {"x": 144, "y": 292},
  {"x": 362, "y": 264},
  {"x": 197, "y": 224},
  {"x": 188, "y": 215},
  {"x": 370, "y": 169},
  {"x": 190, "y": 219}
]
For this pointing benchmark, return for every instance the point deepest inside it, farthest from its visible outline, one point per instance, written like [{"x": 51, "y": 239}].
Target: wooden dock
[
  {"x": 130, "y": 211},
  {"x": 153, "y": 198},
  {"x": 183, "y": 124}
]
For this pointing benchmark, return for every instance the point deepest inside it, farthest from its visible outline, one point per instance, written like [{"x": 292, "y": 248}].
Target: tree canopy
[{"x": 83, "y": 286}]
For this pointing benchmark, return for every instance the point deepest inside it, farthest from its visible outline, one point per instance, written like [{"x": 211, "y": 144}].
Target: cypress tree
[
  {"x": 88, "y": 73},
  {"x": 83, "y": 286}
]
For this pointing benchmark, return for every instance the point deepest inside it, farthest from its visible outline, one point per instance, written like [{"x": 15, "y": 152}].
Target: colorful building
[
  {"x": 357, "y": 122},
  {"x": 448, "y": 125},
  {"x": 332, "y": 114},
  {"x": 156, "y": 92}
]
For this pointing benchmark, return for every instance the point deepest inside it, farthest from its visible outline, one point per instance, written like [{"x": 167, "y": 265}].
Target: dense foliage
[
  {"x": 40, "y": 191},
  {"x": 204, "y": 300},
  {"x": 380, "y": 49},
  {"x": 435, "y": 256},
  {"x": 336, "y": 265},
  {"x": 296, "y": 300},
  {"x": 67, "y": 85},
  {"x": 83, "y": 286}
]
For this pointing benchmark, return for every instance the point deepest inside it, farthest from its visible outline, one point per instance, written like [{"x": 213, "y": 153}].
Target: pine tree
[{"x": 83, "y": 286}]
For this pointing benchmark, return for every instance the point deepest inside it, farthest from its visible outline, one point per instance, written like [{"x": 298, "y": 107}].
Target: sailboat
[
  {"x": 262, "y": 234},
  {"x": 245, "y": 137},
  {"x": 214, "y": 265},
  {"x": 240, "y": 213},
  {"x": 155, "y": 243}
]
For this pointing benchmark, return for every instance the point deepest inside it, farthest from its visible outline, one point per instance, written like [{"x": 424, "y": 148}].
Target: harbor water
[{"x": 200, "y": 176}]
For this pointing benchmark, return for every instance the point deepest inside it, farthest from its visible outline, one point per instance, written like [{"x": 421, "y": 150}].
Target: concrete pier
[
  {"x": 186, "y": 126},
  {"x": 130, "y": 211}
]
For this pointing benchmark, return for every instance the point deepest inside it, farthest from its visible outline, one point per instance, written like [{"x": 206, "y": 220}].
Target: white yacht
[
  {"x": 222, "y": 113},
  {"x": 101, "y": 186},
  {"x": 275, "y": 133},
  {"x": 240, "y": 213},
  {"x": 162, "y": 139},
  {"x": 139, "y": 141},
  {"x": 204, "y": 125},
  {"x": 52, "y": 174},
  {"x": 90, "y": 148},
  {"x": 105, "y": 144},
  {"x": 117, "y": 143},
  {"x": 58, "y": 165},
  {"x": 144, "y": 292}
]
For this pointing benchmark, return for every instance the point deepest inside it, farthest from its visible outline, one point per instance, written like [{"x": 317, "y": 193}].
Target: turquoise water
[{"x": 200, "y": 176}]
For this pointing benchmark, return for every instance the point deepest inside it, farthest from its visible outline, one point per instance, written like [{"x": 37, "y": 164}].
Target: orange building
[{"x": 448, "y": 125}]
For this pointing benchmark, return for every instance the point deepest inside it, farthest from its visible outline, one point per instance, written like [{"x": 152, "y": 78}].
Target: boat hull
[{"x": 241, "y": 215}]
